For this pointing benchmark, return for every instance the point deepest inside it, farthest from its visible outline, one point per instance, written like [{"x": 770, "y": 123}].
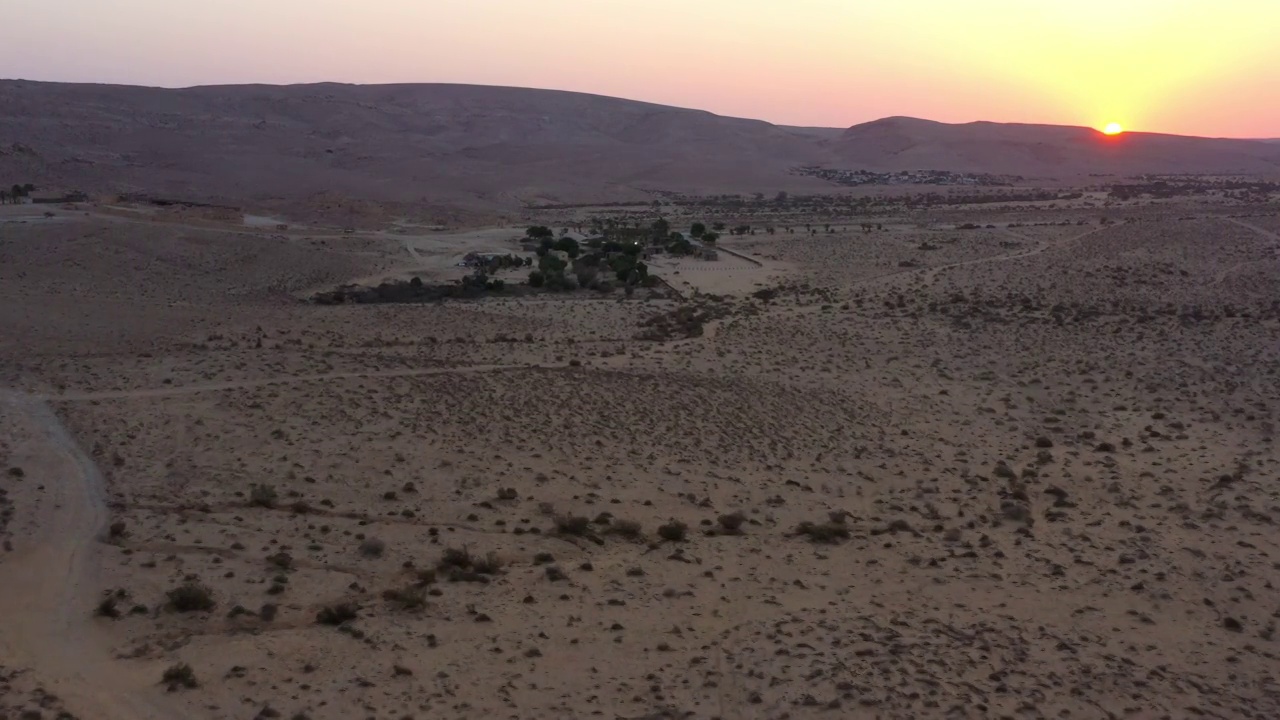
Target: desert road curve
[
  {"x": 933, "y": 273},
  {"x": 50, "y": 581}
]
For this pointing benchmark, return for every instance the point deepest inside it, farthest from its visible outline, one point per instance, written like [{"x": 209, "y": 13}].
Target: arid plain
[{"x": 896, "y": 469}]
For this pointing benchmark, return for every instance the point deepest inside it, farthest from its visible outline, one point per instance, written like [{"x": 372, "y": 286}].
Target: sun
[{"x": 1112, "y": 129}]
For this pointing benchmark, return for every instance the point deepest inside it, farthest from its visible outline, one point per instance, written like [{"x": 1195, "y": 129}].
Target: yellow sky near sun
[
  {"x": 1130, "y": 61},
  {"x": 1188, "y": 66}
]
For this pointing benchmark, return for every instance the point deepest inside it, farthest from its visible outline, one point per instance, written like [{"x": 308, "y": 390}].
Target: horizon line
[{"x": 1126, "y": 131}]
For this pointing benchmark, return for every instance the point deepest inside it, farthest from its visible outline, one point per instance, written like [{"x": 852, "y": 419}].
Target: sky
[{"x": 1196, "y": 67}]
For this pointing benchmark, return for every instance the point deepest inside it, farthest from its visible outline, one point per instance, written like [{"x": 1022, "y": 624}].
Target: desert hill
[
  {"x": 901, "y": 143},
  {"x": 506, "y": 147},
  {"x": 434, "y": 143}
]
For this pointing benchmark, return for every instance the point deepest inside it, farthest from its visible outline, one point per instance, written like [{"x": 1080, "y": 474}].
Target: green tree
[
  {"x": 661, "y": 227},
  {"x": 537, "y": 279},
  {"x": 568, "y": 245},
  {"x": 710, "y": 238},
  {"x": 551, "y": 264},
  {"x": 28, "y": 189},
  {"x": 698, "y": 230},
  {"x": 679, "y": 245},
  {"x": 4, "y": 196},
  {"x": 16, "y": 192},
  {"x": 718, "y": 227},
  {"x": 539, "y": 232}
]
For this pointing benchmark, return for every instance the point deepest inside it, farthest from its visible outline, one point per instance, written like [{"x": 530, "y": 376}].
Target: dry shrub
[
  {"x": 191, "y": 597},
  {"x": 674, "y": 531},
  {"x": 828, "y": 533},
  {"x": 337, "y": 614},
  {"x": 180, "y": 676}
]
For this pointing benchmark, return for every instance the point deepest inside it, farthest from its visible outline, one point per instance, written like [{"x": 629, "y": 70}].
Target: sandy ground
[{"x": 923, "y": 472}]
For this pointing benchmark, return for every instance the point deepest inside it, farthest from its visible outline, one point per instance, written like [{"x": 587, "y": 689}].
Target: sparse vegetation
[
  {"x": 338, "y": 614},
  {"x": 180, "y": 676},
  {"x": 108, "y": 607},
  {"x": 674, "y": 531},
  {"x": 191, "y": 597},
  {"x": 971, "y": 409},
  {"x": 459, "y": 565},
  {"x": 372, "y": 548},
  {"x": 410, "y": 599},
  {"x": 828, "y": 533},
  {"x": 263, "y": 496},
  {"x": 731, "y": 524},
  {"x": 576, "y": 525},
  {"x": 629, "y": 529}
]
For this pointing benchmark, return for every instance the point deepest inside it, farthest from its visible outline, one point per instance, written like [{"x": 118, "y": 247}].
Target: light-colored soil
[
  {"x": 1045, "y": 454},
  {"x": 53, "y": 571}
]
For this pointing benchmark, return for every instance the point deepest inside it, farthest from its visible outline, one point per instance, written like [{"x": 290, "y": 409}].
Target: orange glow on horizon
[
  {"x": 1112, "y": 129},
  {"x": 1168, "y": 66}
]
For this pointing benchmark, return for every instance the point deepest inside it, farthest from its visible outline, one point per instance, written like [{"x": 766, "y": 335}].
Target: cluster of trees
[
  {"x": 494, "y": 263},
  {"x": 838, "y": 205},
  {"x": 677, "y": 244},
  {"x": 476, "y": 285},
  {"x": 548, "y": 241},
  {"x": 700, "y": 231},
  {"x": 15, "y": 193},
  {"x": 588, "y": 268}
]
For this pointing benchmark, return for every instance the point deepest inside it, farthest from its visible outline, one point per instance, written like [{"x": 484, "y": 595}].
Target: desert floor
[{"x": 1018, "y": 472}]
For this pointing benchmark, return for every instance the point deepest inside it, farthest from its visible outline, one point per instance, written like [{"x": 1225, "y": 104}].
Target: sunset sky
[{"x": 1182, "y": 66}]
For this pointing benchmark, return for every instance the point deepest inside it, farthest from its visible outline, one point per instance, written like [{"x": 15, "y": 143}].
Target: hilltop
[
  {"x": 902, "y": 143},
  {"x": 502, "y": 148}
]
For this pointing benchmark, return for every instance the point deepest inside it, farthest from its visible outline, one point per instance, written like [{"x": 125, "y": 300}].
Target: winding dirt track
[
  {"x": 1261, "y": 231},
  {"x": 49, "y": 584},
  {"x": 932, "y": 273},
  {"x": 1226, "y": 274}
]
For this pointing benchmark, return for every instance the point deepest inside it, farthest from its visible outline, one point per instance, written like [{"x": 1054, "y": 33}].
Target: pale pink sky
[{"x": 1183, "y": 66}]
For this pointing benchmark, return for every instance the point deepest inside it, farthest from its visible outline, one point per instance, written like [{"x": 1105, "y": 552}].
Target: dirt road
[
  {"x": 50, "y": 581},
  {"x": 932, "y": 273}
]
